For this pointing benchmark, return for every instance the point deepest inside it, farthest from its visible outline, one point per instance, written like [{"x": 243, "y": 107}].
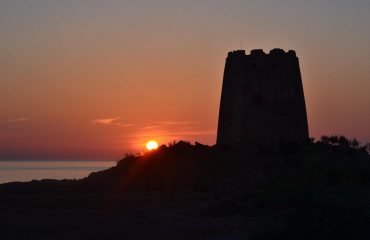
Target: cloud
[
  {"x": 172, "y": 134},
  {"x": 206, "y": 132},
  {"x": 151, "y": 127},
  {"x": 177, "y": 123},
  {"x": 127, "y": 125},
  {"x": 116, "y": 121},
  {"x": 20, "y": 119},
  {"x": 106, "y": 121}
]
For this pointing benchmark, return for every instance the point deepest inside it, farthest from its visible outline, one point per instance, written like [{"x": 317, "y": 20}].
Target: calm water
[{"x": 28, "y": 170}]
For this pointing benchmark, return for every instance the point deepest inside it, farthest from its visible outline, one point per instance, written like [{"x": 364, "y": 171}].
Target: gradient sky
[{"x": 96, "y": 79}]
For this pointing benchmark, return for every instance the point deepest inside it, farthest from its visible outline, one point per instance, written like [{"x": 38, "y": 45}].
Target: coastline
[{"x": 28, "y": 170}]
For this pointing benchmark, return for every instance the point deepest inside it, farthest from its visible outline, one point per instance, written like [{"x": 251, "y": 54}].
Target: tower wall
[{"x": 262, "y": 99}]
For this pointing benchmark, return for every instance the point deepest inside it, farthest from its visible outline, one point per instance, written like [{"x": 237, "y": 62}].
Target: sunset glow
[
  {"x": 151, "y": 145},
  {"x": 80, "y": 79}
]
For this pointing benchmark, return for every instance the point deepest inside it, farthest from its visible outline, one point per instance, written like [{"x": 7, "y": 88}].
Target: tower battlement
[
  {"x": 237, "y": 53},
  {"x": 262, "y": 98},
  {"x": 260, "y": 52}
]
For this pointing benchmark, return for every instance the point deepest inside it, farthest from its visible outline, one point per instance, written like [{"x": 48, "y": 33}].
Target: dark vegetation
[{"x": 319, "y": 190}]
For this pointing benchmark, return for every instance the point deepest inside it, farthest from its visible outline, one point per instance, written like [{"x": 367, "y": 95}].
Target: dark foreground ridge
[{"x": 311, "y": 191}]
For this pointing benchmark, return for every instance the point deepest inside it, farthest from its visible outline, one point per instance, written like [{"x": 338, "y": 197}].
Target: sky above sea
[{"x": 97, "y": 79}]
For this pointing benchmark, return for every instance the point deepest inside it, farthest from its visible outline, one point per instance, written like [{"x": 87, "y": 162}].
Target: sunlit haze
[{"x": 96, "y": 79}]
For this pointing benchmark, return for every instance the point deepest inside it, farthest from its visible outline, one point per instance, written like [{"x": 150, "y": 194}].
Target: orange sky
[{"x": 86, "y": 79}]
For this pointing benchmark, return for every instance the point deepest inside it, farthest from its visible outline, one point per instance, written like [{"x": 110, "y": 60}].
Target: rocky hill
[{"x": 317, "y": 190}]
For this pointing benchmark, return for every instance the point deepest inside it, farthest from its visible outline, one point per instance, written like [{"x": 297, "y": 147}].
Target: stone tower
[{"x": 262, "y": 100}]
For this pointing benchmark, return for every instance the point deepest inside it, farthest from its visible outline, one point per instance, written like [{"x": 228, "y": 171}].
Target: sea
[{"x": 27, "y": 170}]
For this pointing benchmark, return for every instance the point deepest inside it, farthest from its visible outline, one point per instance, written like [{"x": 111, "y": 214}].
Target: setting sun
[{"x": 151, "y": 145}]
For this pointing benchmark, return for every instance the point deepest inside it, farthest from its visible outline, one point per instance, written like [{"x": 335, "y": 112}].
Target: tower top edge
[{"x": 260, "y": 52}]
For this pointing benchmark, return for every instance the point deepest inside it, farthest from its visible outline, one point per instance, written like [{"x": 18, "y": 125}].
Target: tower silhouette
[{"x": 262, "y": 100}]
